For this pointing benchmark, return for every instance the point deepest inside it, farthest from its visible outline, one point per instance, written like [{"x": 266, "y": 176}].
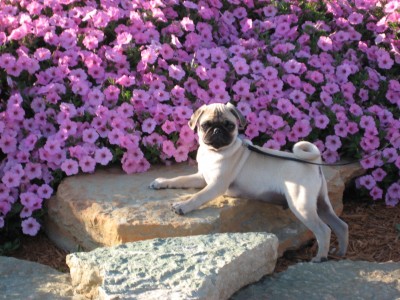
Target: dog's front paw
[
  {"x": 159, "y": 183},
  {"x": 180, "y": 208}
]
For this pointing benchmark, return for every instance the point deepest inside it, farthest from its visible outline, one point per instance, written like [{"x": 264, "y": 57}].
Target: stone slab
[
  {"x": 109, "y": 208},
  {"x": 344, "y": 280},
  {"x": 198, "y": 267},
  {"x": 21, "y": 279}
]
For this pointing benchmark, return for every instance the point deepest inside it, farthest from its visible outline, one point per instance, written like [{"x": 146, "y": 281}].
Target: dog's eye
[
  {"x": 205, "y": 125},
  {"x": 229, "y": 125}
]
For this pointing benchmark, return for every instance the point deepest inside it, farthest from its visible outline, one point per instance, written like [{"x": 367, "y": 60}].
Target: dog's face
[{"x": 217, "y": 124}]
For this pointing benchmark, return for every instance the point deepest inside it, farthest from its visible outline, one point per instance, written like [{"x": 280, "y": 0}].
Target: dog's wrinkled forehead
[{"x": 218, "y": 113}]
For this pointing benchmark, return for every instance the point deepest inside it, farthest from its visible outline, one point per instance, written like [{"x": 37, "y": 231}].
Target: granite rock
[
  {"x": 21, "y": 279},
  {"x": 110, "y": 208},
  {"x": 198, "y": 267},
  {"x": 344, "y": 280}
]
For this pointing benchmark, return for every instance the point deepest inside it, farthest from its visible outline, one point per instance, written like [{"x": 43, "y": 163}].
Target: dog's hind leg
[
  {"x": 303, "y": 203},
  {"x": 328, "y": 215}
]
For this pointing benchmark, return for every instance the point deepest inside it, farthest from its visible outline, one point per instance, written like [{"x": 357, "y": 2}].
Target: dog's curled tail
[{"x": 306, "y": 151}]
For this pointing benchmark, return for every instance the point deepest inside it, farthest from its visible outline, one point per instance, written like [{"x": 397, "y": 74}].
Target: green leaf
[
  {"x": 398, "y": 227},
  {"x": 9, "y": 247}
]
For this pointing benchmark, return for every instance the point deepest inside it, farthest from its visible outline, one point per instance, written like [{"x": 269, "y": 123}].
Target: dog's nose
[{"x": 217, "y": 130}]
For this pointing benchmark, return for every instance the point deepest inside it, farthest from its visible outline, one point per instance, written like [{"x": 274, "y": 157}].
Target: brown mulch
[
  {"x": 374, "y": 236},
  {"x": 41, "y": 250}
]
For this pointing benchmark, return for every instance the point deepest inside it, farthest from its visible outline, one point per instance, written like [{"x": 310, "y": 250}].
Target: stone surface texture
[
  {"x": 344, "y": 280},
  {"x": 21, "y": 279},
  {"x": 199, "y": 267},
  {"x": 110, "y": 208}
]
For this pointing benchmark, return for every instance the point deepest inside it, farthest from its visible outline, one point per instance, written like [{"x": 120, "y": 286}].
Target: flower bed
[{"x": 89, "y": 83}]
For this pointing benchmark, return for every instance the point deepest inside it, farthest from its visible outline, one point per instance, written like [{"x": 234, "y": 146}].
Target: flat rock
[
  {"x": 21, "y": 279},
  {"x": 199, "y": 267},
  {"x": 344, "y": 280},
  {"x": 109, "y": 208}
]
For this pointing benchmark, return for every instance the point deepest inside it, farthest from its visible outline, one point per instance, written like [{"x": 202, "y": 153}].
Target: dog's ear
[
  {"x": 195, "y": 117},
  {"x": 237, "y": 114}
]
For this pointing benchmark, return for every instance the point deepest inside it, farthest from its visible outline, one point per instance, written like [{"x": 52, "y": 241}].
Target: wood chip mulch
[
  {"x": 41, "y": 250},
  {"x": 374, "y": 236}
]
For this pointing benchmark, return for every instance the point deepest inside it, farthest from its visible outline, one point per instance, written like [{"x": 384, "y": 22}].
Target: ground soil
[{"x": 374, "y": 236}]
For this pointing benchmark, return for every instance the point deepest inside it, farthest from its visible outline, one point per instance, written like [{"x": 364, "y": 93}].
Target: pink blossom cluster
[{"x": 87, "y": 83}]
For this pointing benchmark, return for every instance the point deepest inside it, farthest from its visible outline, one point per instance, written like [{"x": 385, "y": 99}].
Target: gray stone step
[
  {"x": 342, "y": 280},
  {"x": 21, "y": 279},
  {"x": 347, "y": 280},
  {"x": 208, "y": 267}
]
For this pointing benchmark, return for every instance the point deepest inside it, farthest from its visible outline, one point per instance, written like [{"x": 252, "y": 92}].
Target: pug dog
[{"x": 226, "y": 166}]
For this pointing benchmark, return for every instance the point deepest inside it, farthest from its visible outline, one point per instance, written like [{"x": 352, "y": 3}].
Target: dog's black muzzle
[{"x": 217, "y": 137}]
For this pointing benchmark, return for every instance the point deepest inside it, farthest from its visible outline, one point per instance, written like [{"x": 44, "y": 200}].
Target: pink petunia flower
[
  {"x": 330, "y": 156},
  {"x": 168, "y": 148},
  {"x": 176, "y": 72},
  {"x": 367, "y": 181},
  {"x": 240, "y": 65},
  {"x": 186, "y": 134},
  {"x": 270, "y": 73},
  {"x": 292, "y": 66},
  {"x": 168, "y": 127},
  {"x": 30, "y": 226},
  {"x": 252, "y": 131},
  {"x": 376, "y": 193},
  {"x": 355, "y": 18},
  {"x": 42, "y": 54},
  {"x": 5, "y": 207},
  {"x": 166, "y": 51},
  {"x": 181, "y": 153},
  {"x": 276, "y": 121},
  {"x": 148, "y": 125},
  {"x": 26, "y": 212},
  {"x": 217, "y": 86},
  {"x": 161, "y": 95},
  {"x": 45, "y": 191},
  {"x": 332, "y": 142},
  {"x": 111, "y": 93},
  {"x": 379, "y": 174},
  {"x": 325, "y": 43},
  {"x": 302, "y": 128},
  {"x": 367, "y": 122},
  {"x": 368, "y": 163},
  {"x": 218, "y": 54},
  {"x": 29, "y": 199},
  {"x": 390, "y": 154},
  {"x": 187, "y": 24},
  {"x": 87, "y": 164},
  {"x": 114, "y": 136},
  {"x": 341, "y": 129},
  {"x": 282, "y": 28},
  {"x": 124, "y": 38},
  {"x": 384, "y": 60},
  {"x": 90, "y": 135},
  {"x": 70, "y": 167},
  {"x": 4, "y": 191},
  {"x": 10, "y": 179},
  {"x": 294, "y": 81},
  {"x": 8, "y": 143},
  {"x": 33, "y": 170},
  {"x": 241, "y": 87},
  {"x": 68, "y": 38},
  {"x": 103, "y": 156}
]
